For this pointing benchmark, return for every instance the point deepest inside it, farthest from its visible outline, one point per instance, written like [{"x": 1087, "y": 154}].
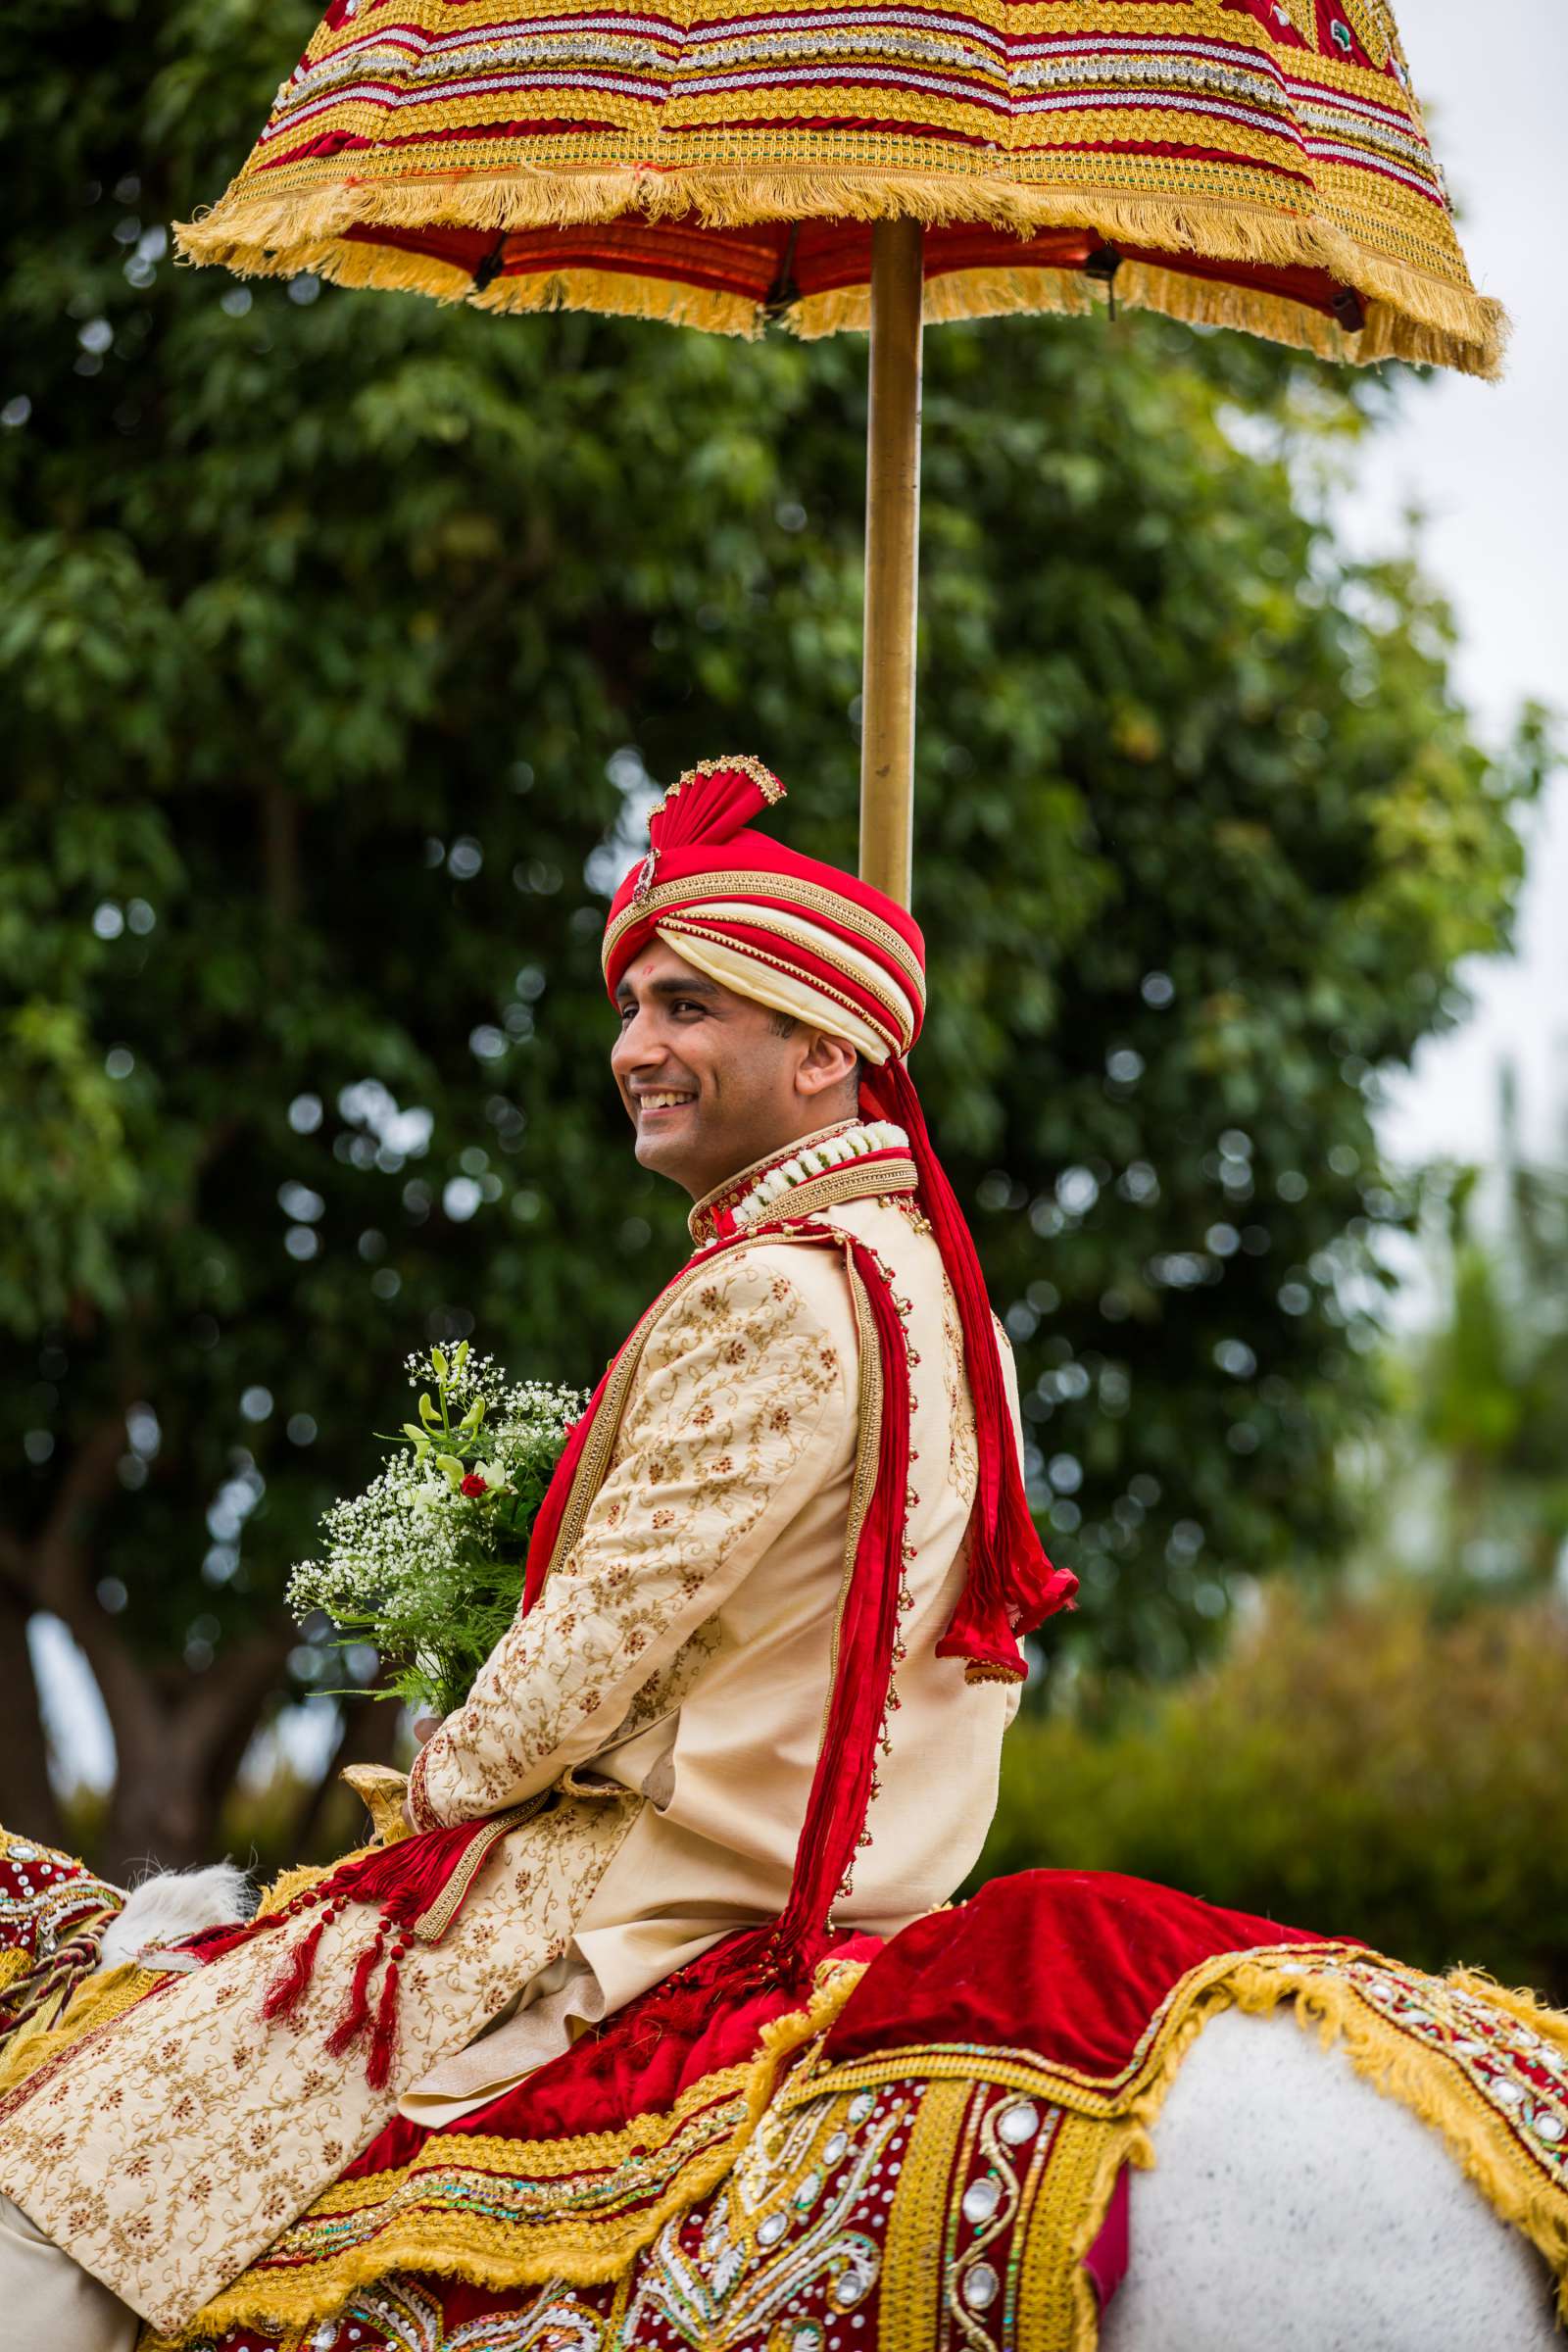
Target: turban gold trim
[{"x": 780, "y": 991}]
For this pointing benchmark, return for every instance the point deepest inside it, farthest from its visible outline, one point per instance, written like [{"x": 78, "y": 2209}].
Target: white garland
[{"x": 834, "y": 1151}]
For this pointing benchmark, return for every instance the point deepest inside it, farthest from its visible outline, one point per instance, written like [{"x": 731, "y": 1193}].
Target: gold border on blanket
[
  {"x": 909, "y": 2318},
  {"x": 1058, "y": 2310},
  {"x": 1063, "y": 2203}
]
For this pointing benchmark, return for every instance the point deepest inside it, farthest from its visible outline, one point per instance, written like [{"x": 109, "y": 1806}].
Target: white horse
[
  {"x": 170, "y": 1903},
  {"x": 1291, "y": 2206}
]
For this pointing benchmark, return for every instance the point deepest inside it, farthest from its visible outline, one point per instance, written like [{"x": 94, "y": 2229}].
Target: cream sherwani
[
  {"x": 723, "y": 1744},
  {"x": 669, "y": 1690}
]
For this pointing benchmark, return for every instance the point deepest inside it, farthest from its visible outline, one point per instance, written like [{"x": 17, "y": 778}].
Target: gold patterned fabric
[
  {"x": 1257, "y": 163},
  {"x": 934, "y": 2199}
]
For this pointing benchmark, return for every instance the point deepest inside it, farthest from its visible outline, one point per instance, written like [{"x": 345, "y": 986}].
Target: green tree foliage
[
  {"x": 1364, "y": 1769},
  {"x": 344, "y": 630},
  {"x": 1470, "y": 1470}
]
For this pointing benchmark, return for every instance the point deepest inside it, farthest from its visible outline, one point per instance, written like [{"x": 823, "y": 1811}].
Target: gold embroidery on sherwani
[
  {"x": 49, "y": 2039},
  {"x": 747, "y": 1361},
  {"x": 580, "y": 2207},
  {"x": 432, "y": 1925},
  {"x": 963, "y": 1463},
  {"x": 599, "y": 1452}
]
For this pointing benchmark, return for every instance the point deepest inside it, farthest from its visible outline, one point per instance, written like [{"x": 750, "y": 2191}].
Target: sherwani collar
[{"x": 806, "y": 1175}]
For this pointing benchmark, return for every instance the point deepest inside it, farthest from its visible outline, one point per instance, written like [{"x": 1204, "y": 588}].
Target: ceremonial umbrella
[{"x": 728, "y": 163}]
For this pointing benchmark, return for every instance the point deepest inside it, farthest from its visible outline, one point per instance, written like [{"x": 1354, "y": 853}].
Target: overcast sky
[{"x": 1486, "y": 462}]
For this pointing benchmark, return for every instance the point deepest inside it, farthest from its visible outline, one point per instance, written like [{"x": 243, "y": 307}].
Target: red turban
[
  {"x": 808, "y": 939},
  {"x": 788, "y": 931}
]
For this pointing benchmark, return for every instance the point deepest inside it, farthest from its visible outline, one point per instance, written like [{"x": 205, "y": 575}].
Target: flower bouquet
[{"x": 429, "y": 1562}]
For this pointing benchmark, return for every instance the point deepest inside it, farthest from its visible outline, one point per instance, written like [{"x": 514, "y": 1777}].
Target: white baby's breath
[{"x": 428, "y": 1573}]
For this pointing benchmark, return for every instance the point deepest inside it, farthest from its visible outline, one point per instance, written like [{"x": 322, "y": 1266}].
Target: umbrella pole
[{"x": 892, "y": 555}]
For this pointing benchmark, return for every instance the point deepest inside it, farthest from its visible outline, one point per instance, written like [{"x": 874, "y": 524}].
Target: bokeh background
[{"x": 346, "y": 642}]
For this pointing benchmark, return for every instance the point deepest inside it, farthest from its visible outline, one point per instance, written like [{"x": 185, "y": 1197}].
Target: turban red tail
[{"x": 812, "y": 940}]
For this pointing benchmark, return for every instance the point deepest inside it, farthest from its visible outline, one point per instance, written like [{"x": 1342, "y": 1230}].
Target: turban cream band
[{"x": 766, "y": 974}]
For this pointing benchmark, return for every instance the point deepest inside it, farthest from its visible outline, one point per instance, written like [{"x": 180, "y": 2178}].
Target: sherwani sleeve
[{"x": 741, "y": 1404}]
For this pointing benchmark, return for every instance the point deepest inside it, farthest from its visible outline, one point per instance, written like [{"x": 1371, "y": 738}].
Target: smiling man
[
  {"x": 712, "y": 1080},
  {"x": 756, "y": 1694}
]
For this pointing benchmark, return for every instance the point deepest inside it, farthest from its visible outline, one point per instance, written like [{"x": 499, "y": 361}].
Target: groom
[{"x": 766, "y": 1654}]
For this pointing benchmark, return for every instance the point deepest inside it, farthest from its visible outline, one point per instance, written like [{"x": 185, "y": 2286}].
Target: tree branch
[
  {"x": 27, "y": 1799},
  {"x": 50, "y": 1569}
]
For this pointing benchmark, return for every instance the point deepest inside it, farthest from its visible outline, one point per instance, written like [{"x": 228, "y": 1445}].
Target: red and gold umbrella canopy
[
  {"x": 1249, "y": 163},
  {"x": 726, "y": 164}
]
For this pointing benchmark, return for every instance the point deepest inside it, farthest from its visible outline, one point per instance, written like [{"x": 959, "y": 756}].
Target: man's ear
[{"x": 827, "y": 1063}]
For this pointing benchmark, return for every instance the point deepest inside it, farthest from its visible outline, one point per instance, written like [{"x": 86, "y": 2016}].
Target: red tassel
[
  {"x": 289, "y": 1987},
  {"x": 384, "y": 2039},
  {"x": 403, "y": 1880},
  {"x": 357, "y": 2008}
]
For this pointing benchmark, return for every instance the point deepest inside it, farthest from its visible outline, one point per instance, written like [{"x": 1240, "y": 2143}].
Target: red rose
[{"x": 474, "y": 1484}]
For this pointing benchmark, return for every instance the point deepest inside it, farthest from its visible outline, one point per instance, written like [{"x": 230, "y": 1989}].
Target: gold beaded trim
[
  {"x": 767, "y": 784},
  {"x": 853, "y": 1181},
  {"x": 734, "y": 1189}
]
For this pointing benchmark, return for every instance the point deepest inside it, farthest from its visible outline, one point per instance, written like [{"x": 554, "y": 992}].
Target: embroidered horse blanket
[{"x": 932, "y": 2145}]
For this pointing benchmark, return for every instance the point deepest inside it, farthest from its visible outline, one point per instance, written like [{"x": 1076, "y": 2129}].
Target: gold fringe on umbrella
[
  {"x": 1412, "y": 314},
  {"x": 622, "y": 294}
]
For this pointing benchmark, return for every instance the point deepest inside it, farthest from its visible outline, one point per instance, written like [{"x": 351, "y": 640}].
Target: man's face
[{"x": 709, "y": 1083}]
